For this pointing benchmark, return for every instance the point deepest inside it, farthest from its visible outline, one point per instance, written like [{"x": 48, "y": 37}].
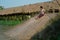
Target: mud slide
[{"x": 26, "y": 30}]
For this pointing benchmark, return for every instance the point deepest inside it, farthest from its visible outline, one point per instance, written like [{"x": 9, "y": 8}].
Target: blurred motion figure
[{"x": 41, "y": 13}]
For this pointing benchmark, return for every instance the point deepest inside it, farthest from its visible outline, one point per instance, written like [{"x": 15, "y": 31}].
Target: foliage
[
  {"x": 9, "y": 24},
  {"x": 1, "y": 8}
]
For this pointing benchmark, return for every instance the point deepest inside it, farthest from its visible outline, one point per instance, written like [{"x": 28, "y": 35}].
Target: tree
[{"x": 1, "y": 7}]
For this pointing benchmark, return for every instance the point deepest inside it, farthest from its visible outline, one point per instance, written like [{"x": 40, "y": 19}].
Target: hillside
[
  {"x": 29, "y": 28},
  {"x": 31, "y": 7}
]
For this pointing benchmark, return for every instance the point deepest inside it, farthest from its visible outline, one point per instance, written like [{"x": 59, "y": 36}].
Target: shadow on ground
[{"x": 52, "y": 32}]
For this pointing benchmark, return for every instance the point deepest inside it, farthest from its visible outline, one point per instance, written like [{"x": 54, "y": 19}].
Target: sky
[{"x": 14, "y": 3}]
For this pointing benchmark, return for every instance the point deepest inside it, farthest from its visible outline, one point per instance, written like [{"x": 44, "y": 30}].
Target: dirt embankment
[{"x": 29, "y": 28}]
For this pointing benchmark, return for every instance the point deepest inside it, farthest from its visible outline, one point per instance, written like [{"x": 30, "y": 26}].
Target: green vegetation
[
  {"x": 9, "y": 22},
  {"x": 1, "y": 8},
  {"x": 12, "y": 21},
  {"x": 52, "y": 32}
]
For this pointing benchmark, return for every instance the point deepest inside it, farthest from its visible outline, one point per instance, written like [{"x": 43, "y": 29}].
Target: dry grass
[{"x": 31, "y": 7}]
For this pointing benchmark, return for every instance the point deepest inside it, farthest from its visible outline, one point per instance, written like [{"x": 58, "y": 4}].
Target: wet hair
[{"x": 41, "y": 6}]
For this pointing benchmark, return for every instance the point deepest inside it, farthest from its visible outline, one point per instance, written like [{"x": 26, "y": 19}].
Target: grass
[
  {"x": 8, "y": 24},
  {"x": 52, "y": 32}
]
